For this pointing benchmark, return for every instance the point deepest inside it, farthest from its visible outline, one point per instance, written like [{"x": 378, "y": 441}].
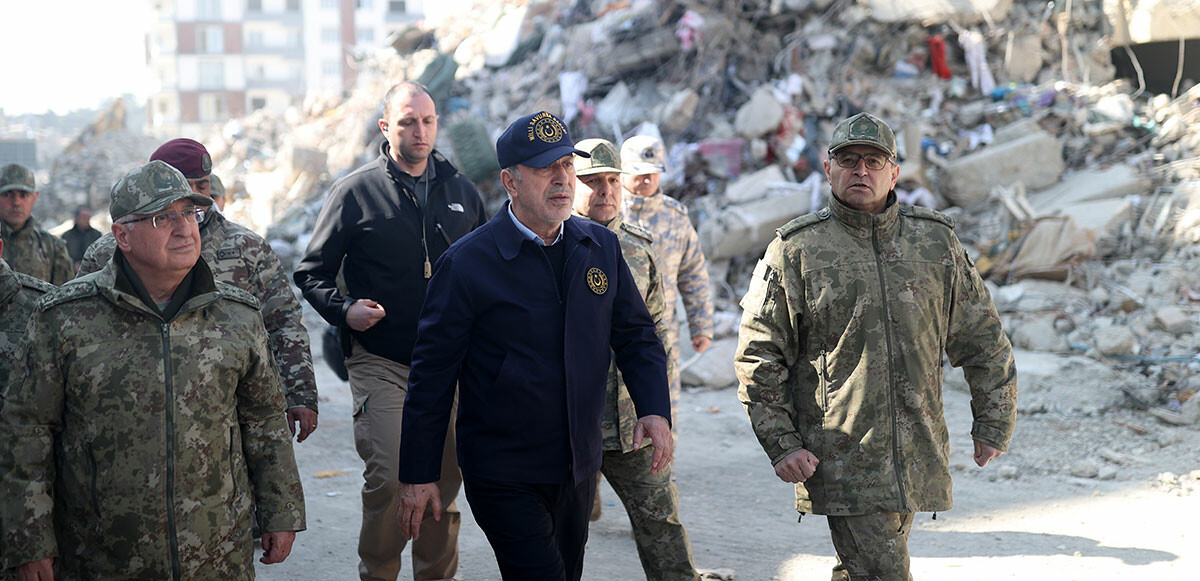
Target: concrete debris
[
  {"x": 1035, "y": 160},
  {"x": 1039, "y": 334},
  {"x": 1115, "y": 341},
  {"x": 760, "y": 115},
  {"x": 1174, "y": 320},
  {"x": 713, "y": 368}
]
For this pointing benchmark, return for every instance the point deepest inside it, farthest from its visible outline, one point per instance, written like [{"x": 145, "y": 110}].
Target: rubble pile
[{"x": 1076, "y": 192}]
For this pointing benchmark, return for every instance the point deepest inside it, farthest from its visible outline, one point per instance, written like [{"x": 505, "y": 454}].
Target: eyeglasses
[
  {"x": 170, "y": 219},
  {"x": 848, "y": 160}
]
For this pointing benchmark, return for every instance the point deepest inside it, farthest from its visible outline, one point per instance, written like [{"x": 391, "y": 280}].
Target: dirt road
[{"x": 1023, "y": 517}]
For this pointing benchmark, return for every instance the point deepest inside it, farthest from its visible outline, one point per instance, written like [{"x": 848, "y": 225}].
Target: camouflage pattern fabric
[
  {"x": 652, "y": 503},
  {"x": 36, "y": 252},
  {"x": 871, "y": 546},
  {"x": 620, "y": 416},
  {"x": 683, "y": 269},
  {"x": 241, "y": 258},
  {"x": 137, "y": 448},
  {"x": 841, "y": 349},
  {"x": 18, "y": 293}
]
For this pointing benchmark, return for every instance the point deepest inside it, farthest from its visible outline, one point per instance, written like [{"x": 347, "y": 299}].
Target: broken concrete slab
[
  {"x": 1097, "y": 387},
  {"x": 1034, "y": 160},
  {"x": 754, "y": 186},
  {"x": 1039, "y": 334},
  {"x": 714, "y": 367},
  {"x": 1025, "y": 60},
  {"x": 1032, "y": 295},
  {"x": 748, "y": 228},
  {"x": 964, "y": 12},
  {"x": 1118, "y": 181},
  {"x": 1174, "y": 320},
  {"x": 1114, "y": 341},
  {"x": 678, "y": 113},
  {"x": 760, "y": 115}
]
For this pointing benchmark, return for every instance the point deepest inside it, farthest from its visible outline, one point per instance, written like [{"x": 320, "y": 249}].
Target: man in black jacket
[{"x": 384, "y": 225}]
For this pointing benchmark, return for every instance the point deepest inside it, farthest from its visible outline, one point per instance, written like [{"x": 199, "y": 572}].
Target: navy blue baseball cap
[{"x": 535, "y": 141}]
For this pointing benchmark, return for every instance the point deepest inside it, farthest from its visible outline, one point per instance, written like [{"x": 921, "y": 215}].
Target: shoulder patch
[
  {"x": 37, "y": 284},
  {"x": 927, "y": 214},
  {"x": 73, "y": 290},
  {"x": 802, "y": 222},
  {"x": 234, "y": 293},
  {"x": 228, "y": 253},
  {"x": 637, "y": 231}
]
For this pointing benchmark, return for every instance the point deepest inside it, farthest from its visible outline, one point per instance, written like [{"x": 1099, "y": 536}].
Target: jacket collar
[
  {"x": 614, "y": 224},
  {"x": 439, "y": 167},
  {"x": 863, "y": 224},
  {"x": 8, "y": 233},
  {"x": 9, "y": 285},
  {"x": 509, "y": 239},
  {"x": 203, "y": 289},
  {"x": 639, "y": 204}
]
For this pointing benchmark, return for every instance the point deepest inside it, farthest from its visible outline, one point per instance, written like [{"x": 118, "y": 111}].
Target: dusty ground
[{"x": 1023, "y": 517}]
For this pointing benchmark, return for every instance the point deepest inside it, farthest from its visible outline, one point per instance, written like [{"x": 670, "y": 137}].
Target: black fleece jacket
[{"x": 372, "y": 226}]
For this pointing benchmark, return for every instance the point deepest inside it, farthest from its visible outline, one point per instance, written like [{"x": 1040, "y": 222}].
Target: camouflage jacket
[
  {"x": 679, "y": 258},
  {"x": 243, "y": 259},
  {"x": 36, "y": 252},
  {"x": 841, "y": 351},
  {"x": 140, "y": 448},
  {"x": 18, "y": 293},
  {"x": 620, "y": 416}
]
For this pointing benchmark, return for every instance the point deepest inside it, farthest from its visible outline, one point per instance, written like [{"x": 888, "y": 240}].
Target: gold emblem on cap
[
  {"x": 597, "y": 281},
  {"x": 546, "y": 128}
]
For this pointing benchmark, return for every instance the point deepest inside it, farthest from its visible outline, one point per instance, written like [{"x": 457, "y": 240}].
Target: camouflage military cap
[
  {"x": 16, "y": 177},
  {"x": 151, "y": 188},
  {"x": 215, "y": 187},
  {"x": 863, "y": 129},
  {"x": 643, "y": 154},
  {"x": 604, "y": 157}
]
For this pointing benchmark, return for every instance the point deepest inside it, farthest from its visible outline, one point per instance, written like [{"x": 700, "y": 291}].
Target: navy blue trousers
[{"x": 538, "y": 531}]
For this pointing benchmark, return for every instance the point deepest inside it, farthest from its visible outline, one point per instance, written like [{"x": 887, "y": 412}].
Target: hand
[
  {"x": 277, "y": 546},
  {"x": 37, "y": 570},
  {"x": 363, "y": 314},
  {"x": 798, "y": 466},
  {"x": 701, "y": 343},
  {"x": 307, "y": 420},
  {"x": 414, "y": 498},
  {"x": 658, "y": 431},
  {"x": 985, "y": 453}
]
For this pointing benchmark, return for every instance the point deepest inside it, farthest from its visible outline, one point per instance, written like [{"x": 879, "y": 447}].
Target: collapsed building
[{"x": 1070, "y": 164}]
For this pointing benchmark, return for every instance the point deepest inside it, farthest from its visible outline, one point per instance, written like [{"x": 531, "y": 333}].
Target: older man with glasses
[
  {"x": 845, "y": 326},
  {"x": 144, "y": 427}
]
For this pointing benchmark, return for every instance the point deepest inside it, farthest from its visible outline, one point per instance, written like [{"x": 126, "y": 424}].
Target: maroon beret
[{"x": 186, "y": 155}]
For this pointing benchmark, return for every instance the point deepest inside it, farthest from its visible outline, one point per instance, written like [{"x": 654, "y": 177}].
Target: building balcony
[
  {"x": 285, "y": 18},
  {"x": 295, "y": 52},
  {"x": 294, "y": 84}
]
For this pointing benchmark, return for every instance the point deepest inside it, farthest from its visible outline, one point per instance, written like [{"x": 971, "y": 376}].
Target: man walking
[
  {"x": 651, "y": 499},
  {"x": 29, "y": 249},
  {"x": 676, "y": 244},
  {"x": 239, "y": 257},
  {"x": 525, "y": 315},
  {"x": 383, "y": 226},
  {"x": 147, "y": 423},
  {"x": 840, "y": 356}
]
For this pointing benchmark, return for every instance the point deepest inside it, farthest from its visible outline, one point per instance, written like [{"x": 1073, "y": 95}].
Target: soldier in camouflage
[
  {"x": 651, "y": 500},
  {"x": 840, "y": 356},
  {"x": 239, "y": 257},
  {"x": 29, "y": 249},
  {"x": 676, "y": 244},
  {"x": 146, "y": 420},
  {"x": 18, "y": 292}
]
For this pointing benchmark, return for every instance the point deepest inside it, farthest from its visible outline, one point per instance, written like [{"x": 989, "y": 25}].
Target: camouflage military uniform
[
  {"x": 840, "y": 352},
  {"x": 683, "y": 271},
  {"x": 138, "y": 445},
  {"x": 651, "y": 500},
  {"x": 18, "y": 292},
  {"x": 36, "y": 252},
  {"x": 243, "y": 259}
]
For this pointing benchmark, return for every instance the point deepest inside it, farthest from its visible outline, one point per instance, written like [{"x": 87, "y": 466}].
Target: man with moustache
[
  {"x": 651, "y": 499},
  {"x": 239, "y": 257},
  {"x": 145, "y": 430},
  {"x": 383, "y": 226},
  {"x": 845, "y": 326},
  {"x": 29, "y": 249},
  {"x": 524, "y": 315}
]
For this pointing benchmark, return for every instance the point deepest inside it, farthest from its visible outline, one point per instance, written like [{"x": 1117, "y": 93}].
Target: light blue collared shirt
[{"x": 526, "y": 232}]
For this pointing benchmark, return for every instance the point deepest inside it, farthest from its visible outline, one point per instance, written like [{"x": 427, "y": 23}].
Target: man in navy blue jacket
[{"x": 524, "y": 314}]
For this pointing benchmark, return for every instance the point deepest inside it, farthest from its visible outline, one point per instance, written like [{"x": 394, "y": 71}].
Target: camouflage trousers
[
  {"x": 673, "y": 374},
  {"x": 652, "y": 502},
  {"x": 871, "y": 547}
]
